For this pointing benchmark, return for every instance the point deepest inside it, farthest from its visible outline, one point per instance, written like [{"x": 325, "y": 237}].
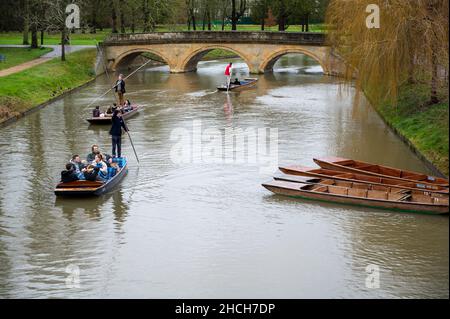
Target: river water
[{"x": 197, "y": 228}]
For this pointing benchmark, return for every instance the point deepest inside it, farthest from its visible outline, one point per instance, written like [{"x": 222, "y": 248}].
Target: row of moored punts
[{"x": 360, "y": 183}]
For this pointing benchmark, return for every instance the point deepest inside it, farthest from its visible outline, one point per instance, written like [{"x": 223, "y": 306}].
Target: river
[{"x": 197, "y": 228}]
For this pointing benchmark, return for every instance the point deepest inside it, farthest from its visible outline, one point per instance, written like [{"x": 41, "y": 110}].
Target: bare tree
[
  {"x": 237, "y": 11},
  {"x": 56, "y": 20}
]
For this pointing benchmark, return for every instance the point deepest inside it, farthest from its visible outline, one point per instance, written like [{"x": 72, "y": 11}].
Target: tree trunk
[
  {"x": 434, "y": 77},
  {"x": 307, "y": 22},
  {"x": 281, "y": 23},
  {"x": 114, "y": 19},
  {"x": 282, "y": 18},
  {"x": 94, "y": 20},
  {"x": 26, "y": 23},
  {"x": 42, "y": 37},
  {"x": 263, "y": 23},
  {"x": 34, "y": 37},
  {"x": 204, "y": 20},
  {"x": 233, "y": 16},
  {"x": 194, "y": 23},
  {"x": 63, "y": 44},
  {"x": 122, "y": 20},
  {"x": 209, "y": 20},
  {"x": 133, "y": 21}
]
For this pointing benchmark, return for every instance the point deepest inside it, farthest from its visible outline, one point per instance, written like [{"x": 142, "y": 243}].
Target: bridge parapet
[{"x": 258, "y": 37}]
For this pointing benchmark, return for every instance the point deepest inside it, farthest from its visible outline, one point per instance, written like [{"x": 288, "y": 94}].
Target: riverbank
[
  {"x": 17, "y": 56},
  {"x": 23, "y": 91},
  {"x": 425, "y": 128}
]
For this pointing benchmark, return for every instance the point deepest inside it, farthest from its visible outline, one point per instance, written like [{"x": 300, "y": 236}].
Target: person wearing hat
[{"x": 116, "y": 133}]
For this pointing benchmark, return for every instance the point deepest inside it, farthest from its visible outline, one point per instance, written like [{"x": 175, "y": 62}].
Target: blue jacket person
[{"x": 116, "y": 133}]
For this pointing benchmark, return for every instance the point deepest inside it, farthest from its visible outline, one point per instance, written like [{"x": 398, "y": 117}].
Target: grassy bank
[
  {"x": 425, "y": 126},
  {"x": 87, "y": 38},
  {"x": 16, "y": 56},
  {"x": 21, "y": 91}
]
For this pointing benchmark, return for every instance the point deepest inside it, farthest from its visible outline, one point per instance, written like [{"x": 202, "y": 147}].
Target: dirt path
[{"x": 23, "y": 66}]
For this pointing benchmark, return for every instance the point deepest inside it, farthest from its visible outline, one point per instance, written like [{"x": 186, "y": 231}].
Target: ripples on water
[{"x": 210, "y": 230}]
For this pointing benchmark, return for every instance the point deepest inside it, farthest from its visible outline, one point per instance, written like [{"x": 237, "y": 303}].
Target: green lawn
[
  {"x": 91, "y": 39},
  {"x": 427, "y": 127},
  {"x": 15, "y": 56},
  {"x": 55, "y": 39},
  {"x": 21, "y": 91}
]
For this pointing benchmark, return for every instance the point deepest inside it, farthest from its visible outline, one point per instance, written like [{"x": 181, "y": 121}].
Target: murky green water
[{"x": 209, "y": 230}]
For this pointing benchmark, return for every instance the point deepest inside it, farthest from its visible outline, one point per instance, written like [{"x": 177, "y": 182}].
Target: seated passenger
[
  {"x": 127, "y": 107},
  {"x": 78, "y": 166},
  {"x": 96, "y": 112},
  {"x": 94, "y": 151},
  {"x": 69, "y": 174},
  {"x": 236, "y": 82},
  {"x": 110, "y": 109},
  {"x": 100, "y": 163},
  {"x": 91, "y": 173}
]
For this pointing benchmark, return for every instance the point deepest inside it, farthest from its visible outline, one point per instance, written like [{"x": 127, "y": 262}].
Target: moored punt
[
  {"x": 357, "y": 185},
  {"x": 88, "y": 188},
  {"x": 107, "y": 118},
  {"x": 246, "y": 83},
  {"x": 349, "y": 165},
  {"x": 403, "y": 201},
  {"x": 361, "y": 178}
]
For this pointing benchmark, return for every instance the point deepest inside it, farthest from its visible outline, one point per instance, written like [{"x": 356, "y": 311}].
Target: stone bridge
[{"x": 183, "y": 50}]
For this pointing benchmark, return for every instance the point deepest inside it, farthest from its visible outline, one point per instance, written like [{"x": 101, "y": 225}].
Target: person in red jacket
[{"x": 228, "y": 71}]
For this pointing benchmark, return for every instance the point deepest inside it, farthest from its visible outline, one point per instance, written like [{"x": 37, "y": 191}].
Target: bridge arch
[
  {"x": 268, "y": 63},
  {"x": 133, "y": 53},
  {"x": 191, "y": 61}
]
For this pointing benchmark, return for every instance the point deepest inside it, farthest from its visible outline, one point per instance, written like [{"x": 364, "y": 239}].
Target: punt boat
[
  {"x": 348, "y": 193},
  {"x": 359, "y": 167},
  {"x": 107, "y": 118},
  {"x": 361, "y": 178},
  {"x": 246, "y": 83},
  {"x": 88, "y": 188}
]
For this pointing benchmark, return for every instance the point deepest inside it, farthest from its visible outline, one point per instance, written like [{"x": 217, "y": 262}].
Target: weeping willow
[{"x": 411, "y": 44}]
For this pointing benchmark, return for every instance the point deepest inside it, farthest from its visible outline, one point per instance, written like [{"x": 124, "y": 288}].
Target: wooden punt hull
[
  {"x": 250, "y": 82},
  {"x": 361, "y": 178},
  {"x": 358, "y": 185},
  {"x": 107, "y": 119},
  {"x": 348, "y": 165},
  {"x": 86, "y": 188},
  {"x": 336, "y": 194}
]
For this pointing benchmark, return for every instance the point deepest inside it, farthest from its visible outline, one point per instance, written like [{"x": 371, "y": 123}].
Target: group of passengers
[
  {"x": 126, "y": 107},
  {"x": 97, "y": 167}
]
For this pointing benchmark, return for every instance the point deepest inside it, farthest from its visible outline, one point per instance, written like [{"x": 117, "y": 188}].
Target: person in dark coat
[
  {"x": 69, "y": 174},
  {"x": 120, "y": 90},
  {"x": 116, "y": 133},
  {"x": 96, "y": 112}
]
